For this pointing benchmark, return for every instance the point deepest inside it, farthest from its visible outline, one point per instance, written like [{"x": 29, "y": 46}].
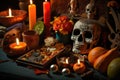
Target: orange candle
[
  {"x": 79, "y": 67},
  {"x": 46, "y": 12},
  {"x": 32, "y": 15},
  {"x": 18, "y": 47}
]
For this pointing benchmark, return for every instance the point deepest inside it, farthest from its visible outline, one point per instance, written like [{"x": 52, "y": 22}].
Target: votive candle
[{"x": 18, "y": 47}]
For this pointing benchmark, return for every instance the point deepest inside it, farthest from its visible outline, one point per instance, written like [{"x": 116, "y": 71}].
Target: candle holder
[
  {"x": 63, "y": 62},
  {"x": 31, "y": 38},
  {"x": 66, "y": 61},
  {"x": 17, "y": 49},
  {"x": 17, "y": 16},
  {"x": 79, "y": 67}
]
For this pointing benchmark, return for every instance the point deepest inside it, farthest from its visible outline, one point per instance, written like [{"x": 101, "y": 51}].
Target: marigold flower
[{"x": 63, "y": 24}]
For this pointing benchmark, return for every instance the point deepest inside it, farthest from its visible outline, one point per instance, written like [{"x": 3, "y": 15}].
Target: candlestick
[
  {"x": 18, "y": 47},
  {"x": 32, "y": 15},
  {"x": 46, "y": 15}
]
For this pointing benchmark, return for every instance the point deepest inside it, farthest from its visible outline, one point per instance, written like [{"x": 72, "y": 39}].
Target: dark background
[
  {"x": 58, "y": 6},
  {"x": 14, "y": 4}
]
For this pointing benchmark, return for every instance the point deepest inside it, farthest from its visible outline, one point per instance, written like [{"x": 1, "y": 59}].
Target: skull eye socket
[
  {"x": 80, "y": 39},
  {"x": 76, "y": 32},
  {"x": 88, "y": 9},
  {"x": 88, "y": 34}
]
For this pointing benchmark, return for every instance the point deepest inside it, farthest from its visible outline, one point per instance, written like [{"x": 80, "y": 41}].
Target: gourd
[
  {"x": 95, "y": 53},
  {"x": 113, "y": 70},
  {"x": 103, "y": 59},
  {"x": 102, "y": 62}
]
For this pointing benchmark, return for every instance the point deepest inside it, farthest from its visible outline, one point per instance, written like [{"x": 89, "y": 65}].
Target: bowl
[{"x": 17, "y": 16}]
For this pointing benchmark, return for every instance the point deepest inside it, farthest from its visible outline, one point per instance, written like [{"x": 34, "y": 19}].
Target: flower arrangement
[{"x": 62, "y": 24}]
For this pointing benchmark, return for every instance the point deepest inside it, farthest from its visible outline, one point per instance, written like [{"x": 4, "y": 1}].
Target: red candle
[
  {"x": 32, "y": 15},
  {"x": 46, "y": 12}
]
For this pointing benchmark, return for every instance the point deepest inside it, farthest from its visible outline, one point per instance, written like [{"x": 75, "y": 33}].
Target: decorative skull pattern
[{"x": 86, "y": 34}]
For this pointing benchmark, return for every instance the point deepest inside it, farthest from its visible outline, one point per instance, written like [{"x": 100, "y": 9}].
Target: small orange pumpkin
[{"x": 79, "y": 68}]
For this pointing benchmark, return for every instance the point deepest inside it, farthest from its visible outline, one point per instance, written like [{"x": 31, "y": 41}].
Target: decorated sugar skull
[{"x": 86, "y": 34}]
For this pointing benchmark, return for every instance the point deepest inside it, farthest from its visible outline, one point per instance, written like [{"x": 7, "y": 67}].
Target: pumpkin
[
  {"x": 103, "y": 58},
  {"x": 103, "y": 61},
  {"x": 79, "y": 68},
  {"x": 95, "y": 53}
]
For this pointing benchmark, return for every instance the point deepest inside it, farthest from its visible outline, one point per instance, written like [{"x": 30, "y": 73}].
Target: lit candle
[
  {"x": 9, "y": 13},
  {"x": 78, "y": 61},
  {"x": 18, "y": 47},
  {"x": 66, "y": 63},
  {"x": 46, "y": 12},
  {"x": 46, "y": 16},
  {"x": 32, "y": 15},
  {"x": 79, "y": 67}
]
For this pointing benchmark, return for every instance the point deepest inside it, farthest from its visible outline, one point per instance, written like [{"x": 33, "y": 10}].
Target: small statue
[
  {"x": 73, "y": 6},
  {"x": 90, "y": 10}
]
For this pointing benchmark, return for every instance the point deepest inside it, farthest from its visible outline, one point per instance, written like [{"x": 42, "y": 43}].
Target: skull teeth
[{"x": 76, "y": 46}]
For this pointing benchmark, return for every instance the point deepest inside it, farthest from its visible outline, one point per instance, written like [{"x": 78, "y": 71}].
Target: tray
[{"x": 41, "y": 57}]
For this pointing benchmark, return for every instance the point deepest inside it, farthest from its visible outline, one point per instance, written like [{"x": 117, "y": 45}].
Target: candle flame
[
  {"x": 78, "y": 61},
  {"x": 66, "y": 61},
  {"x": 10, "y": 12},
  {"x": 31, "y": 2},
  {"x": 45, "y": 0},
  {"x": 17, "y": 41}
]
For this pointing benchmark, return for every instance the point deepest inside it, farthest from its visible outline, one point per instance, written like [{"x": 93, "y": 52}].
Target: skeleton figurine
[
  {"x": 86, "y": 34},
  {"x": 90, "y": 9}
]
